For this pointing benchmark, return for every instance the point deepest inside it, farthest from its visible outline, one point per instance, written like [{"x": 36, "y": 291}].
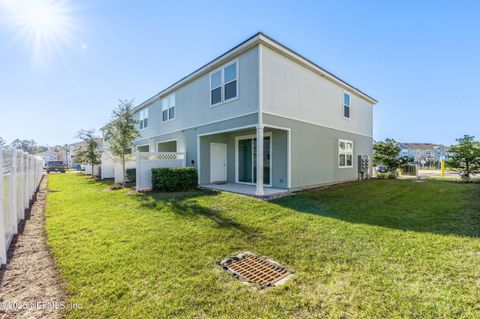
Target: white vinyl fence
[
  {"x": 146, "y": 161},
  {"x": 107, "y": 166},
  {"x": 21, "y": 174},
  {"x": 96, "y": 170},
  {"x": 118, "y": 170}
]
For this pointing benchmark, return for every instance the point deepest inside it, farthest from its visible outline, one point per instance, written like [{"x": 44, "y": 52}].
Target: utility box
[{"x": 363, "y": 167}]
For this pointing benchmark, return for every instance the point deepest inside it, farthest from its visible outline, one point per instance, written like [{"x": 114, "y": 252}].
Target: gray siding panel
[
  {"x": 192, "y": 100},
  {"x": 292, "y": 90},
  {"x": 315, "y": 152}
]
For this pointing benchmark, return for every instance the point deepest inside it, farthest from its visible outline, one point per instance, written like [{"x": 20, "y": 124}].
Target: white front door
[{"x": 218, "y": 162}]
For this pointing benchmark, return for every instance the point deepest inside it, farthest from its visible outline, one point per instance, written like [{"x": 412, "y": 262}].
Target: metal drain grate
[{"x": 250, "y": 268}]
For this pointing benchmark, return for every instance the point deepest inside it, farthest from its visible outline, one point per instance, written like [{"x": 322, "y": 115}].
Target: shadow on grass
[
  {"x": 185, "y": 204},
  {"x": 435, "y": 207}
]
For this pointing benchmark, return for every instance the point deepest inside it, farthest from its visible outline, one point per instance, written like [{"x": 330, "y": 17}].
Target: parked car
[
  {"x": 382, "y": 169},
  {"x": 56, "y": 166}
]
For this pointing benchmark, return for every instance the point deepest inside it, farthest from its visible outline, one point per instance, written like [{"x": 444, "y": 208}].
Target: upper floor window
[
  {"x": 346, "y": 105},
  {"x": 144, "y": 118},
  {"x": 345, "y": 153},
  {"x": 168, "y": 108},
  {"x": 224, "y": 84}
]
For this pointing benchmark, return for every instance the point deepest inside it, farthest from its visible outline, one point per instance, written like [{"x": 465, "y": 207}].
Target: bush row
[
  {"x": 131, "y": 174},
  {"x": 174, "y": 179}
]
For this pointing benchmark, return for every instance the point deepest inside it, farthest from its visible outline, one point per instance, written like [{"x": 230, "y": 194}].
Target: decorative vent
[{"x": 162, "y": 156}]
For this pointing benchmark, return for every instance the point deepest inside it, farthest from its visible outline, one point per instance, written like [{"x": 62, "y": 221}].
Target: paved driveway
[{"x": 426, "y": 173}]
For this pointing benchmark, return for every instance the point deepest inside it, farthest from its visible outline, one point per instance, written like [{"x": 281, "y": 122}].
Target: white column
[
  {"x": 3, "y": 244},
  {"x": 259, "y": 190}
]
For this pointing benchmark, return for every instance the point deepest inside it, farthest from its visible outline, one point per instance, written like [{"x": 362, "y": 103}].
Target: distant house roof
[
  {"x": 245, "y": 45},
  {"x": 420, "y": 145}
]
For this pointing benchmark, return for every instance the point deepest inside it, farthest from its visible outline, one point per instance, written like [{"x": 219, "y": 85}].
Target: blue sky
[{"x": 420, "y": 59}]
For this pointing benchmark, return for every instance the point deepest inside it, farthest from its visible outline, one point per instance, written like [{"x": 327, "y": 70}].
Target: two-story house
[
  {"x": 261, "y": 115},
  {"x": 424, "y": 153}
]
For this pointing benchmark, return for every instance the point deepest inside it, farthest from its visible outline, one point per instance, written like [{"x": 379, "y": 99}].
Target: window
[
  {"x": 224, "y": 84},
  {"x": 346, "y": 105},
  {"x": 345, "y": 153},
  {"x": 144, "y": 118},
  {"x": 143, "y": 148},
  {"x": 168, "y": 108}
]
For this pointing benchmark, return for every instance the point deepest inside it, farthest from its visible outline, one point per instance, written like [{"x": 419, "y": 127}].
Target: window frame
[
  {"x": 168, "y": 107},
  {"x": 345, "y": 152},
  {"x": 143, "y": 145},
  {"x": 222, "y": 84},
  {"x": 345, "y": 105},
  {"x": 142, "y": 118}
]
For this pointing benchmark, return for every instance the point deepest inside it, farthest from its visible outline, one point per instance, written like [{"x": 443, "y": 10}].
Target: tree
[
  {"x": 387, "y": 153},
  {"x": 42, "y": 148},
  {"x": 29, "y": 146},
  {"x": 2, "y": 142},
  {"x": 465, "y": 155},
  {"x": 121, "y": 132},
  {"x": 88, "y": 153}
]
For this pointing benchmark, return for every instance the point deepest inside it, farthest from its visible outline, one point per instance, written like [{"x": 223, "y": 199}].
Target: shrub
[
  {"x": 131, "y": 174},
  {"x": 174, "y": 179},
  {"x": 385, "y": 176}
]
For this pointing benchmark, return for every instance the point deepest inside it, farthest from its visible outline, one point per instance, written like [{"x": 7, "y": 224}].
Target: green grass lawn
[{"x": 378, "y": 249}]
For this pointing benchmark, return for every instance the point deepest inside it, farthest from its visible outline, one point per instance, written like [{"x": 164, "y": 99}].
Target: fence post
[
  {"x": 13, "y": 192},
  {"x": 3, "y": 243},
  {"x": 137, "y": 171},
  {"x": 29, "y": 177},
  {"x": 22, "y": 183},
  {"x": 25, "y": 181}
]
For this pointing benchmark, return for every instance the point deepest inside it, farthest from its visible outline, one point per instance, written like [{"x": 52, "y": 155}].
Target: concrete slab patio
[{"x": 248, "y": 190}]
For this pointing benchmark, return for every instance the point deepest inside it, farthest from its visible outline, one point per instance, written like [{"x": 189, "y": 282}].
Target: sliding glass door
[{"x": 247, "y": 160}]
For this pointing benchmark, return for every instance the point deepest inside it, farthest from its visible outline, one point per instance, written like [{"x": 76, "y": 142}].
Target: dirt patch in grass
[{"x": 30, "y": 286}]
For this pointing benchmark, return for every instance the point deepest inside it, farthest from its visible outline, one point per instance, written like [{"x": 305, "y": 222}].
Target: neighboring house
[
  {"x": 71, "y": 149},
  {"x": 71, "y": 154},
  {"x": 263, "y": 115},
  {"x": 424, "y": 153},
  {"x": 53, "y": 153}
]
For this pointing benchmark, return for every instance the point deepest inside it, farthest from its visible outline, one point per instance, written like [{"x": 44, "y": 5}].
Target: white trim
[
  {"x": 167, "y": 141},
  {"x": 260, "y": 91},
  {"x": 226, "y": 161},
  {"x": 198, "y": 159},
  {"x": 229, "y": 130},
  {"x": 344, "y": 153},
  {"x": 289, "y": 167},
  {"x": 317, "y": 124},
  {"x": 289, "y": 151},
  {"x": 252, "y": 136},
  {"x": 223, "y": 83}
]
